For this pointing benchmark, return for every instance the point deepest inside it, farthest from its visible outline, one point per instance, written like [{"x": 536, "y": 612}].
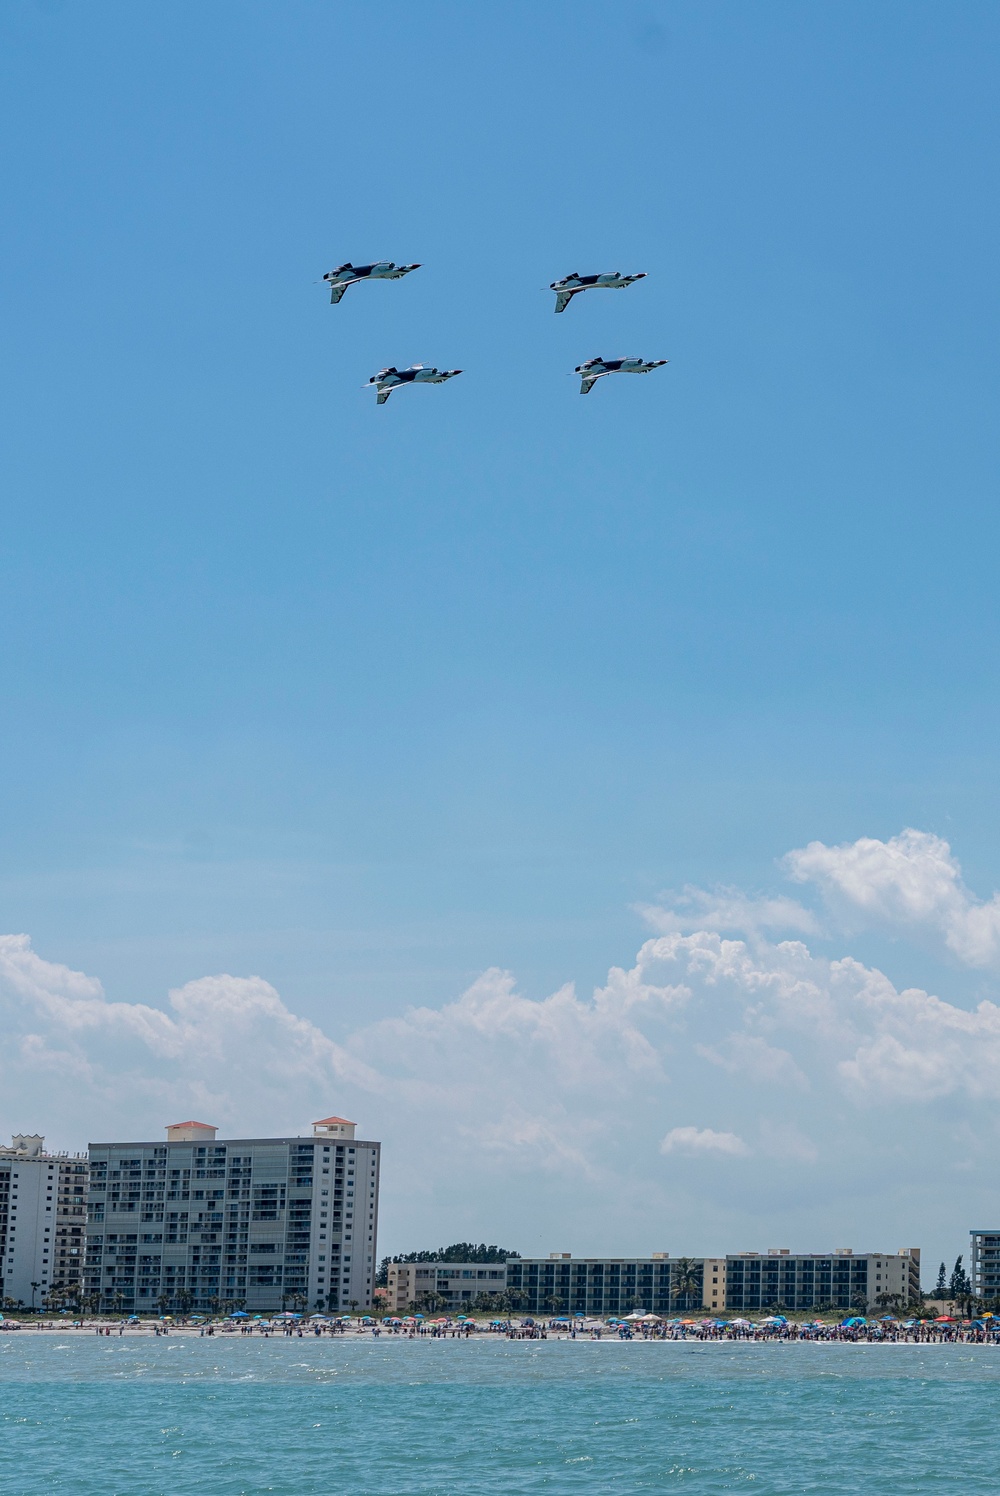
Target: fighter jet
[
  {"x": 346, "y": 275},
  {"x": 572, "y": 285},
  {"x": 387, "y": 380},
  {"x": 596, "y": 368}
]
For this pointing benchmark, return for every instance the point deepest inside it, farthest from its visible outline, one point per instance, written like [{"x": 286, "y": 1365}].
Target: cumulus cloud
[
  {"x": 790, "y": 1046},
  {"x": 910, "y": 882},
  {"x": 701, "y": 1140},
  {"x": 226, "y": 1044}
]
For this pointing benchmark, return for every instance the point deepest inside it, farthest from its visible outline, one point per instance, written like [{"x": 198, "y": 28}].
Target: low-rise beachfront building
[
  {"x": 749, "y": 1282},
  {"x": 985, "y": 1264},
  {"x": 843, "y": 1279},
  {"x": 261, "y": 1224},
  {"x": 449, "y": 1285},
  {"x": 42, "y": 1223},
  {"x": 564, "y": 1284}
]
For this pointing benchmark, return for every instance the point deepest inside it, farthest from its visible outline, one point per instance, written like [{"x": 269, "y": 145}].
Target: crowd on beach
[{"x": 856, "y": 1329}]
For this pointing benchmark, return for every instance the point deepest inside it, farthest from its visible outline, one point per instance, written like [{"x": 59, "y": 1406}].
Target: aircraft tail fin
[
  {"x": 587, "y": 383},
  {"x": 337, "y": 292},
  {"x": 383, "y": 396},
  {"x": 563, "y": 299}
]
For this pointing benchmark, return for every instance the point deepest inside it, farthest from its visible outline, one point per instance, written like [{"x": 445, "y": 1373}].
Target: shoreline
[{"x": 115, "y": 1332}]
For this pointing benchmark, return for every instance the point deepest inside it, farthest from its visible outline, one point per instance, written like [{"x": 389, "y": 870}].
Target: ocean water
[{"x": 146, "y": 1417}]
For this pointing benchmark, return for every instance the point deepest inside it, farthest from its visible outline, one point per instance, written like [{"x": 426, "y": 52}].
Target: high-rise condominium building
[
  {"x": 42, "y": 1223},
  {"x": 986, "y": 1264},
  {"x": 256, "y": 1223}
]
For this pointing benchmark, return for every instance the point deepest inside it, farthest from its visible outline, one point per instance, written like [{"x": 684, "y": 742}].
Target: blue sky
[{"x": 367, "y": 702}]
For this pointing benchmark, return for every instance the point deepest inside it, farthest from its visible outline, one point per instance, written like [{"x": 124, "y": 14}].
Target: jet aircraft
[
  {"x": 572, "y": 285},
  {"x": 596, "y": 368},
  {"x": 346, "y": 275},
  {"x": 387, "y": 380}
]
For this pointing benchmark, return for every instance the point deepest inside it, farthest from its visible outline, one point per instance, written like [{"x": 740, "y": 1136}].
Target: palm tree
[
  {"x": 686, "y": 1280},
  {"x": 34, "y": 1289}
]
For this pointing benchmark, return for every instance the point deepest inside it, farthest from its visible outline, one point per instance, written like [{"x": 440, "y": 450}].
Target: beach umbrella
[
  {"x": 636, "y": 1314},
  {"x": 944, "y": 1319},
  {"x": 240, "y": 1314}
]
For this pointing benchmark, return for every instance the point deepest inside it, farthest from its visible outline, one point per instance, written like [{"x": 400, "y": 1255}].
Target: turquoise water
[{"x": 145, "y": 1417}]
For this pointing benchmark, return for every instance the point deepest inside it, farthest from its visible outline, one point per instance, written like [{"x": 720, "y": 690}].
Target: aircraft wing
[
  {"x": 383, "y": 396},
  {"x": 588, "y": 381},
  {"x": 563, "y": 299},
  {"x": 337, "y": 290}
]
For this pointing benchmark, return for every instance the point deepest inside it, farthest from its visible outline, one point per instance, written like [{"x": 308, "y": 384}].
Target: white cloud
[
  {"x": 911, "y": 881},
  {"x": 699, "y": 1140},
  {"x": 728, "y": 909},
  {"x": 494, "y": 1090},
  {"x": 228, "y": 1045},
  {"x": 745, "y": 1054}
]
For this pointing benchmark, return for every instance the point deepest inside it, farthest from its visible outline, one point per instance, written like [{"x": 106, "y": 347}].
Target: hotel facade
[
  {"x": 263, "y": 1224},
  {"x": 739, "y": 1283}
]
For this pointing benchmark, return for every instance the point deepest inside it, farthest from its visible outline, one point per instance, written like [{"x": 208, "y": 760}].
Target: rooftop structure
[{"x": 334, "y": 1127}]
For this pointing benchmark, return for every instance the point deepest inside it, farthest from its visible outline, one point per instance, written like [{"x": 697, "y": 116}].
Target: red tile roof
[
  {"x": 210, "y": 1125},
  {"x": 325, "y": 1121}
]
